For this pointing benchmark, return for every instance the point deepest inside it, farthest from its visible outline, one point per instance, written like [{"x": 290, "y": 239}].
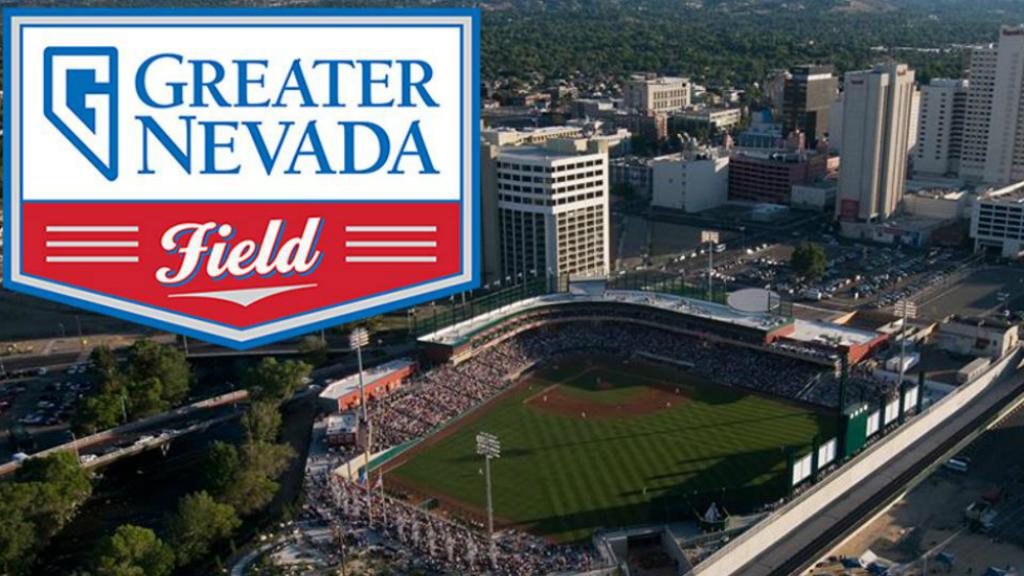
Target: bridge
[{"x": 154, "y": 432}]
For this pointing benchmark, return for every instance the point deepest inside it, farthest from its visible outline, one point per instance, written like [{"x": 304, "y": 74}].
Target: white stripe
[
  {"x": 390, "y": 244},
  {"x": 390, "y": 228},
  {"x": 92, "y": 228},
  {"x": 91, "y": 244},
  {"x": 365, "y": 259},
  {"x": 82, "y": 259}
]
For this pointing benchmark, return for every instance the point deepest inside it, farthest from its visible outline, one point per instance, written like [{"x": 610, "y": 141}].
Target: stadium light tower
[
  {"x": 710, "y": 237},
  {"x": 907, "y": 310},
  {"x": 357, "y": 339},
  {"x": 488, "y": 446}
]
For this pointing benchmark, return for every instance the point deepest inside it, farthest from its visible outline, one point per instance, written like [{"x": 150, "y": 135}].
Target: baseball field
[{"x": 598, "y": 442}]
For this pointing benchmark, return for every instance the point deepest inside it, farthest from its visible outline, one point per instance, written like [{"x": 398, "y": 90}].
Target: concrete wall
[{"x": 734, "y": 556}]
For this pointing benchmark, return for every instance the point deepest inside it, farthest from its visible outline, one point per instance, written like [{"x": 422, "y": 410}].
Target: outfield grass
[{"x": 564, "y": 475}]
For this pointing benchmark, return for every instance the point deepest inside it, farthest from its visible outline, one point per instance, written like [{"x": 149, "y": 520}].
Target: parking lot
[
  {"x": 36, "y": 408},
  {"x": 984, "y": 292}
]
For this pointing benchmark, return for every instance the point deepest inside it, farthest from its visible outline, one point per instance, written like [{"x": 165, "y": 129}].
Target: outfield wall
[{"x": 736, "y": 555}]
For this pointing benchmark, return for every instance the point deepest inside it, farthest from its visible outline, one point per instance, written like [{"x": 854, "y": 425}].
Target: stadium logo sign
[{"x": 240, "y": 175}]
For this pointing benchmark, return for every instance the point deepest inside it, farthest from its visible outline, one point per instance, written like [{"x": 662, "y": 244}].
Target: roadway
[{"x": 807, "y": 542}]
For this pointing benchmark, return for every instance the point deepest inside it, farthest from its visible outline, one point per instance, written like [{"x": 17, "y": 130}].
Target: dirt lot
[{"x": 930, "y": 519}]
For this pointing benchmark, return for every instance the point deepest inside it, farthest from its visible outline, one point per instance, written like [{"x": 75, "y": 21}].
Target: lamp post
[
  {"x": 488, "y": 446},
  {"x": 357, "y": 339}
]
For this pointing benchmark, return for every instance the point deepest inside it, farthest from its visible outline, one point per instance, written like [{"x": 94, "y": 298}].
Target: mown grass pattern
[{"x": 565, "y": 476}]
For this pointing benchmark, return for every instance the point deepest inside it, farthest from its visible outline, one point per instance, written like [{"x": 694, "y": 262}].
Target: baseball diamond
[{"x": 593, "y": 441}]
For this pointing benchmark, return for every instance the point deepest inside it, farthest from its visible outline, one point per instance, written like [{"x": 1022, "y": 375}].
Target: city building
[
  {"x": 635, "y": 172},
  {"x": 769, "y": 176},
  {"x": 490, "y": 239},
  {"x": 707, "y": 118},
  {"x": 594, "y": 107},
  {"x": 342, "y": 395},
  {"x": 341, "y": 429},
  {"x": 940, "y": 130},
  {"x": 997, "y": 220},
  {"x": 693, "y": 180},
  {"x": 943, "y": 199},
  {"x": 647, "y": 93},
  {"x": 835, "y": 124},
  {"x": 817, "y": 197},
  {"x": 808, "y": 96},
  {"x": 764, "y": 136},
  {"x": 876, "y": 134},
  {"x": 775, "y": 89},
  {"x": 552, "y": 212},
  {"x": 651, "y": 126},
  {"x": 992, "y": 337},
  {"x": 529, "y": 136},
  {"x": 993, "y": 144}
]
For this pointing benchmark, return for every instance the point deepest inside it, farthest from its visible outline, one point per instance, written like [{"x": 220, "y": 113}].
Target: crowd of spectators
[
  {"x": 444, "y": 392},
  {"x": 412, "y": 539},
  {"x": 409, "y": 536}
]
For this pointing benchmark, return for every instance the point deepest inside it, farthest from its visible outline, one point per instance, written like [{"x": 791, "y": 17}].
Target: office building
[
  {"x": 835, "y": 124},
  {"x": 775, "y": 89},
  {"x": 877, "y": 112},
  {"x": 940, "y": 130},
  {"x": 993, "y": 146},
  {"x": 490, "y": 239},
  {"x": 707, "y": 118},
  {"x": 997, "y": 220},
  {"x": 648, "y": 94},
  {"x": 983, "y": 337},
  {"x": 504, "y": 136},
  {"x": 807, "y": 98},
  {"x": 633, "y": 172},
  {"x": 552, "y": 213},
  {"x": 769, "y": 177},
  {"x": 693, "y": 180}
]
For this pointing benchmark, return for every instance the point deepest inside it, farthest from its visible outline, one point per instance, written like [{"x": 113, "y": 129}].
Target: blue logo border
[{"x": 474, "y": 187}]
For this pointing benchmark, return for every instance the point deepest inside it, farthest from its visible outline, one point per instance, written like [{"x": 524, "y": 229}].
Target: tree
[
  {"x": 18, "y": 540},
  {"x": 134, "y": 551},
  {"x": 268, "y": 459},
  {"x": 223, "y": 466},
  {"x": 275, "y": 380},
  {"x": 64, "y": 485},
  {"x": 808, "y": 261},
  {"x": 314, "y": 348},
  {"x": 245, "y": 478},
  {"x": 262, "y": 421},
  {"x": 250, "y": 492},
  {"x": 156, "y": 378},
  {"x": 147, "y": 360},
  {"x": 103, "y": 368},
  {"x": 98, "y": 412},
  {"x": 146, "y": 397},
  {"x": 199, "y": 523},
  {"x": 43, "y": 496}
]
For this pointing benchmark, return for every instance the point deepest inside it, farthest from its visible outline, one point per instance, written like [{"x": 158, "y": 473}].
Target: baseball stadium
[{"x": 609, "y": 408}]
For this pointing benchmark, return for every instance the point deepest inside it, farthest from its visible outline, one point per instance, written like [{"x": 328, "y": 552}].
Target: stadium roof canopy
[
  {"x": 350, "y": 383},
  {"x": 830, "y": 333},
  {"x": 456, "y": 333}
]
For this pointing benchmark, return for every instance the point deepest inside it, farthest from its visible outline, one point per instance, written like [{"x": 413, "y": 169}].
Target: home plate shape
[{"x": 162, "y": 166}]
